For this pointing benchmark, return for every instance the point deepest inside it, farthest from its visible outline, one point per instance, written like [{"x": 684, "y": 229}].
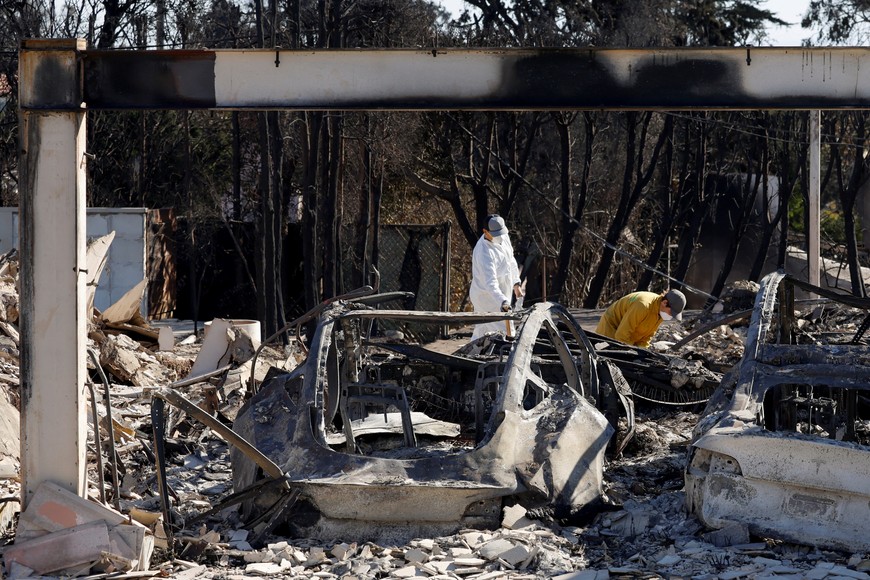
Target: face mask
[{"x": 665, "y": 315}]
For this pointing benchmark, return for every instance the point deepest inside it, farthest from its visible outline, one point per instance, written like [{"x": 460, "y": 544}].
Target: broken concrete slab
[
  {"x": 53, "y": 508},
  {"x": 493, "y": 549},
  {"x": 730, "y": 535},
  {"x": 10, "y": 427},
  {"x": 44, "y": 526},
  {"x": 118, "y": 357},
  {"x": 514, "y": 518},
  {"x": 165, "y": 338},
  {"x": 97, "y": 254},
  {"x": 83, "y": 544},
  {"x": 128, "y": 306},
  {"x": 225, "y": 341}
]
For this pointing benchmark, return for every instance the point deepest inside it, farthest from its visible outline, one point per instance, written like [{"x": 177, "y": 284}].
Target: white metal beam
[
  {"x": 53, "y": 323},
  {"x": 481, "y": 79}
]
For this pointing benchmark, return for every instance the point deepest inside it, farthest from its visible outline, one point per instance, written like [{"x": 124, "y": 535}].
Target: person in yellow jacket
[{"x": 634, "y": 319}]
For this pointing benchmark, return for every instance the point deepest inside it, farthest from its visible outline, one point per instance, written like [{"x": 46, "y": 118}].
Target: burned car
[
  {"x": 381, "y": 435},
  {"x": 785, "y": 446}
]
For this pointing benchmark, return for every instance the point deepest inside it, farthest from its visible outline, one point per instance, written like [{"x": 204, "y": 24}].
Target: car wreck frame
[
  {"x": 779, "y": 449},
  {"x": 531, "y": 428}
]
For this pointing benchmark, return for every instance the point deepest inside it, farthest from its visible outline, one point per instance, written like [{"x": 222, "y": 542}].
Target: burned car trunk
[
  {"x": 785, "y": 447},
  {"x": 384, "y": 439}
]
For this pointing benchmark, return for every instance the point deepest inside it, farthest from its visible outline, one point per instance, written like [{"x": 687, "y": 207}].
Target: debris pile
[
  {"x": 737, "y": 296},
  {"x": 642, "y": 531}
]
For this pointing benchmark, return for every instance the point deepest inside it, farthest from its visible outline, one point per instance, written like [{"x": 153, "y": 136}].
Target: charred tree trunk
[
  {"x": 480, "y": 178},
  {"x": 376, "y": 219},
  {"x": 563, "y": 128},
  {"x": 750, "y": 189},
  {"x": 312, "y": 270},
  {"x": 668, "y": 209},
  {"x": 519, "y": 161},
  {"x": 568, "y": 223},
  {"x": 367, "y": 198},
  {"x": 848, "y": 196},
  {"x": 275, "y": 261},
  {"x": 635, "y": 179},
  {"x": 265, "y": 243},
  {"x": 332, "y": 215},
  {"x": 787, "y": 183},
  {"x": 698, "y": 208}
]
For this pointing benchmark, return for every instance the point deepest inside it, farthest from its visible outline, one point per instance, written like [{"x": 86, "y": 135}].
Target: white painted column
[
  {"x": 815, "y": 211},
  {"x": 53, "y": 323}
]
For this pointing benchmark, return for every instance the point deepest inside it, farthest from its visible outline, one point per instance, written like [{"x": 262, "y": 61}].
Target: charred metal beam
[
  {"x": 257, "y": 489},
  {"x": 425, "y": 316},
  {"x": 201, "y": 415},
  {"x": 418, "y": 352},
  {"x": 116, "y": 486},
  {"x": 840, "y": 354},
  {"x": 847, "y": 299},
  {"x": 158, "y": 426},
  {"x": 733, "y": 317},
  {"x": 478, "y": 79}
]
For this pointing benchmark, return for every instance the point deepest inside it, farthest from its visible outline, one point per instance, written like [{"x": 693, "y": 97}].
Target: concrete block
[
  {"x": 514, "y": 518},
  {"x": 516, "y": 555},
  {"x": 54, "y": 508},
  {"x": 60, "y": 550},
  {"x": 416, "y": 556},
  {"x": 406, "y": 572},
  {"x": 731, "y": 535},
  {"x": 263, "y": 569},
  {"x": 494, "y": 549}
]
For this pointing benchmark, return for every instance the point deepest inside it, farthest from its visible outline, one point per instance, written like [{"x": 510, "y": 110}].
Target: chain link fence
[{"x": 414, "y": 258}]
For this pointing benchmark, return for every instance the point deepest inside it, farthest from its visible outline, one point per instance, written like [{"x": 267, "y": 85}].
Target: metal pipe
[
  {"x": 97, "y": 443},
  {"x": 108, "y": 402}
]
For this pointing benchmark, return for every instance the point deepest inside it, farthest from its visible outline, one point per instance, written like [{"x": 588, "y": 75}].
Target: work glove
[{"x": 505, "y": 306}]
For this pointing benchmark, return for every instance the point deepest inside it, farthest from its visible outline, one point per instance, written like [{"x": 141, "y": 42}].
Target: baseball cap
[
  {"x": 496, "y": 225},
  {"x": 677, "y": 301}
]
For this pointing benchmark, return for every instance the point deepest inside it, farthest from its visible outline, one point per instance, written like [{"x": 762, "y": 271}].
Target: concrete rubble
[{"x": 644, "y": 533}]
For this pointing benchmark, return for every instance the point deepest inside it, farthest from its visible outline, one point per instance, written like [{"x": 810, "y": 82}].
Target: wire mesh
[{"x": 413, "y": 258}]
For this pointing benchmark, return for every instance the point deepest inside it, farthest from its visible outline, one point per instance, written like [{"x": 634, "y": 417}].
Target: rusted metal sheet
[{"x": 480, "y": 79}]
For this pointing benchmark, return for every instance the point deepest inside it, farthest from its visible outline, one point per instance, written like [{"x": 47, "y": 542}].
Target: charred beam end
[
  {"x": 172, "y": 79},
  {"x": 50, "y": 76},
  {"x": 175, "y": 398}
]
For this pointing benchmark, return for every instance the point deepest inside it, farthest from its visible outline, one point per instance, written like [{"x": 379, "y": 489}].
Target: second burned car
[{"x": 784, "y": 448}]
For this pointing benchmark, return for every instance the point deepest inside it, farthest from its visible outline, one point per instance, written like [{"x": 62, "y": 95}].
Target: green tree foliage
[{"x": 839, "y": 21}]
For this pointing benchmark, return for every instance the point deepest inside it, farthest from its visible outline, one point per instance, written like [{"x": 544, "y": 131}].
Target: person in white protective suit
[{"x": 494, "y": 276}]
